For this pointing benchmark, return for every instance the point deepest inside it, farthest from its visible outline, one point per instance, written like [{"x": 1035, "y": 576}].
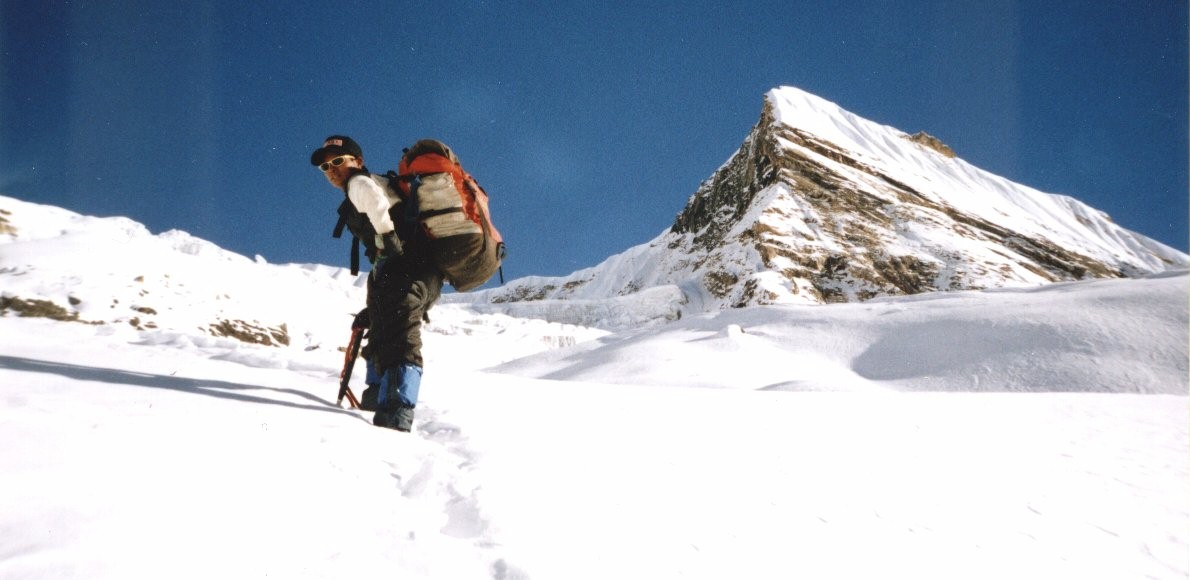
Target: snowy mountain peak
[{"x": 821, "y": 205}]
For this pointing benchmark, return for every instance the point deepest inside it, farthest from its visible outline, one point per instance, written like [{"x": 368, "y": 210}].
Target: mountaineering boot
[
  {"x": 368, "y": 400},
  {"x": 400, "y": 419},
  {"x": 397, "y": 397},
  {"x": 404, "y": 419}
]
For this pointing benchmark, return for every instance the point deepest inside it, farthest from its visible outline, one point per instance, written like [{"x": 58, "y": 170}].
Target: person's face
[{"x": 337, "y": 174}]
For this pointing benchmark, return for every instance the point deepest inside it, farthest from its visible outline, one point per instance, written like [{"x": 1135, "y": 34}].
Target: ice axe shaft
[{"x": 357, "y": 335}]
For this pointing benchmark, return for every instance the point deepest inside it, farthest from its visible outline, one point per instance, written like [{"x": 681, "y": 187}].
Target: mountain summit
[{"x": 820, "y": 205}]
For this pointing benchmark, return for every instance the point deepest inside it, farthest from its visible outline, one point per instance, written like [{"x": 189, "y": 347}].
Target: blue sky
[{"x": 589, "y": 124}]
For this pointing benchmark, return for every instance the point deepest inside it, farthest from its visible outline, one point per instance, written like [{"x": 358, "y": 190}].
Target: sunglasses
[{"x": 327, "y": 165}]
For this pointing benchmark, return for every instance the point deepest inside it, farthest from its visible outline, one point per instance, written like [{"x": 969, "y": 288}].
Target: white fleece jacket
[{"x": 371, "y": 195}]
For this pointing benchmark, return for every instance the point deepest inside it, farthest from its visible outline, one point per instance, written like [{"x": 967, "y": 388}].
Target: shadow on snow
[{"x": 212, "y": 388}]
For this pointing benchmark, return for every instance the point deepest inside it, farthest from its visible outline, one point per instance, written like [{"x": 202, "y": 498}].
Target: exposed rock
[
  {"x": 38, "y": 308},
  {"x": 923, "y": 138},
  {"x": 6, "y": 226},
  {"x": 251, "y": 332}
]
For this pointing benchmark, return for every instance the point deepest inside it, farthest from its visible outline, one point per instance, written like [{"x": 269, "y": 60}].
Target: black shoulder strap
[
  {"x": 354, "y": 255},
  {"x": 350, "y": 218},
  {"x": 338, "y": 233},
  {"x": 346, "y": 212}
]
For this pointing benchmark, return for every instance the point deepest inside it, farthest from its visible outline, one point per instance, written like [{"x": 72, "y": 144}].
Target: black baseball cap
[{"x": 336, "y": 145}]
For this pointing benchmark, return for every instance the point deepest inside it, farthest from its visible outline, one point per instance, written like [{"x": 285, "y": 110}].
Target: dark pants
[{"x": 400, "y": 292}]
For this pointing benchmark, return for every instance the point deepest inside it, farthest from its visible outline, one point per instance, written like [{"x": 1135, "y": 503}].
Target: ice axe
[{"x": 357, "y": 335}]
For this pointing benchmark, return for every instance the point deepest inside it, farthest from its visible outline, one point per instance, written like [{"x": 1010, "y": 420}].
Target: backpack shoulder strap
[
  {"x": 338, "y": 233},
  {"x": 351, "y": 219},
  {"x": 343, "y": 210}
]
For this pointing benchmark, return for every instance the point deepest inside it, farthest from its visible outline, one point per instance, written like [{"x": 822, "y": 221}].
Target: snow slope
[
  {"x": 1096, "y": 336},
  {"x": 184, "y": 291},
  {"x": 134, "y": 460},
  {"x": 701, "y": 447}
]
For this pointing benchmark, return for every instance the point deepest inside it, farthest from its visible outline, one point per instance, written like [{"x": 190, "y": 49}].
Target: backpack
[{"x": 446, "y": 205}]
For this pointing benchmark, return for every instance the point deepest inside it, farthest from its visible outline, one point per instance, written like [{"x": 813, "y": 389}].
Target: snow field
[
  {"x": 143, "y": 458},
  {"x": 1098, "y": 336}
]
